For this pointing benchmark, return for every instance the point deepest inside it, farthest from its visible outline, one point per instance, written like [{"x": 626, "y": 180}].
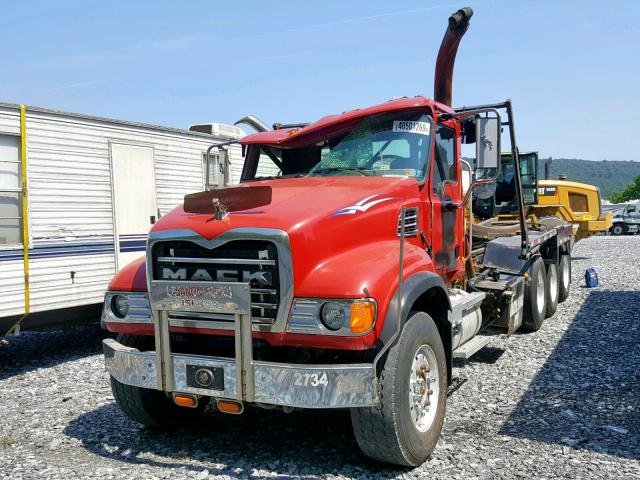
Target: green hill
[{"x": 610, "y": 176}]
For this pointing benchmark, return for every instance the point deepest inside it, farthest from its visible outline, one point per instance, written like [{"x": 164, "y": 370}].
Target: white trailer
[{"x": 78, "y": 194}]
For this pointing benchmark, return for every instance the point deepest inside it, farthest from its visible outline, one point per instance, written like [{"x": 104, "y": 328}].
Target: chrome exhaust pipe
[
  {"x": 443, "y": 81},
  {"x": 255, "y": 123}
]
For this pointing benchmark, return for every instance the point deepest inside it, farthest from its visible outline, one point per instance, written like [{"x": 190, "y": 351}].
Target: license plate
[
  {"x": 209, "y": 378},
  {"x": 216, "y": 297}
]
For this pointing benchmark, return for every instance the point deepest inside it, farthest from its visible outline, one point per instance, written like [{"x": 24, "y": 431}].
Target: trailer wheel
[
  {"x": 617, "y": 229},
  {"x": 404, "y": 428},
  {"x": 535, "y": 297},
  {"x": 552, "y": 289},
  {"x": 564, "y": 277},
  {"x": 151, "y": 408}
]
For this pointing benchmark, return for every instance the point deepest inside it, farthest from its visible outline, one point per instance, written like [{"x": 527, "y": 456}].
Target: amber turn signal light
[
  {"x": 363, "y": 314},
  {"x": 185, "y": 400},
  {"x": 229, "y": 406}
]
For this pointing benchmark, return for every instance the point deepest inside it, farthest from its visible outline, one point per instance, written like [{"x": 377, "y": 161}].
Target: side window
[
  {"x": 10, "y": 191},
  {"x": 444, "y": 168},
  {"x": 269, "y": 163}
]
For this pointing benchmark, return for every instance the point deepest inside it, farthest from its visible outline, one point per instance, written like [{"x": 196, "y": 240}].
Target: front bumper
[{"x": 292, "y": 385}]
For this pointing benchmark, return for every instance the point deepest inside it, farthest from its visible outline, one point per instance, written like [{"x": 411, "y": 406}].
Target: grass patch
[{"x": 5, "y": 441}]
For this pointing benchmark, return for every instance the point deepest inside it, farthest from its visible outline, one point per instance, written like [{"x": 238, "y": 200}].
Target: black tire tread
[
  {"x": 376, "y": 429},
  {"x": 151, "y": 408},
  {"x": 551, "y": 307},
  {"x": 563, "y": 293},
  {"x": 530, "y": 320}
]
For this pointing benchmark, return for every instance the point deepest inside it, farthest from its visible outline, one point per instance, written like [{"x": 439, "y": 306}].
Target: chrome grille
[
  {"x": 410, "y": 222},
  {"x": 252, "y": 261}
]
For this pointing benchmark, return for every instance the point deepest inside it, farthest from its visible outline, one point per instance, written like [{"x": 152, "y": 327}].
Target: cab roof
[{"x": 290, "y": 135}]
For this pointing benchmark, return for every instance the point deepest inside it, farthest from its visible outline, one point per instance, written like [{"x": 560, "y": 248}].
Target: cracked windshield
[{"x": 383, "y": 145}]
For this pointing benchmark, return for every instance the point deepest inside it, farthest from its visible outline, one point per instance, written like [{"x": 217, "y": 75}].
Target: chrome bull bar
[{"x": 243, "y": 378}]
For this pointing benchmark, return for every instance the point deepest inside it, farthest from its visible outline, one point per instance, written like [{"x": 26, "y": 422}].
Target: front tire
[
  {"x": 535, "y": 297},
  {"x": 151, "y": 408},
  {"x": 404, "y": 428},
  {"x": 617, "y": 229}
]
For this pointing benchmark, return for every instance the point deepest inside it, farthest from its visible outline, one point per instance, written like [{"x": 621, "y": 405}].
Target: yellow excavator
[
  {"x": 549, "y": 201},
  {"x": 577, "y": 203}
]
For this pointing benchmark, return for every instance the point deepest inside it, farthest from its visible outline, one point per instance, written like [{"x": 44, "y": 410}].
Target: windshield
[
  {"x": 386, "y": 145},
  {"x": 390, "y": 144}
]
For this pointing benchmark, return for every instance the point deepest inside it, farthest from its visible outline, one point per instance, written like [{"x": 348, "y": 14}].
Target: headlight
[
  {"x": 120, "y": 305},
  {"x": 333, "y": 315}
]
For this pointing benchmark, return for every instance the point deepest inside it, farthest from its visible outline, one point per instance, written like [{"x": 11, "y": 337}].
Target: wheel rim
[
  {"x": 565, "y": 273},
  {"x": 424, "y": 388},
  {"x": 540, "y": 293}
]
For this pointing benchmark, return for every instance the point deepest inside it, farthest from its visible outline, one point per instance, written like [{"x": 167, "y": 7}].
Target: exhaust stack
[
  {"x": 255, "y": 123},
  {"x": 443, "y": 81}
]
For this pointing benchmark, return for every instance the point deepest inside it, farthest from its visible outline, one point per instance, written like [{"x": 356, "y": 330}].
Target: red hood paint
[
  {"x": 315, "y": 213},
  {"x": 343, "y": 237}
]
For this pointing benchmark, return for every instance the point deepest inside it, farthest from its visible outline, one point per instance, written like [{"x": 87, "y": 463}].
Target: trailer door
[{"x": 134, "y": 199}]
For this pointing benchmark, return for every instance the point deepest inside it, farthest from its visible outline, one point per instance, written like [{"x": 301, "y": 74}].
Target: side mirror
[
  {"x": 217, "y": 158},
  {"x": 487, "y": 146}
]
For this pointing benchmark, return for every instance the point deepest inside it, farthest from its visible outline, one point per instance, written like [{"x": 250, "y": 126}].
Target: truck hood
[
  {"x": 323, "y": 216},
  {"x": 304, "y": 204}
]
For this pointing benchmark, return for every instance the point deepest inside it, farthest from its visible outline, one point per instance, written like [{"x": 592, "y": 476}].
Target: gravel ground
[{"x": 560, "y": 403}]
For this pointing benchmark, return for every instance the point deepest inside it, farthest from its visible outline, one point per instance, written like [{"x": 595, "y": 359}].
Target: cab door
[{"x": 445, "y": 190}]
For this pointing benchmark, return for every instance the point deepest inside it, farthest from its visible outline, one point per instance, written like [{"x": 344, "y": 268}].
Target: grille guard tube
[{"x": 282, "y": 384}]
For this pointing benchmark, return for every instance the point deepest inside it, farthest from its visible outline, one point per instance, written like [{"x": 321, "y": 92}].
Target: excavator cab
[{"x": 501, "y": 198}]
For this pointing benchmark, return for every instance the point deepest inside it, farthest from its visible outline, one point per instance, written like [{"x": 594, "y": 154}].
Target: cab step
[{"x": 472, "y": 347}]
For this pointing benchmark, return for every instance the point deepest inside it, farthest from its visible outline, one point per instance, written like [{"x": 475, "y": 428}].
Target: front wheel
[
  {"x": 617, "y": 229},
  {"x": 151, "y": 408},
  {"x": 404, "y": 428},
  {"x": 552, "y": 289}
]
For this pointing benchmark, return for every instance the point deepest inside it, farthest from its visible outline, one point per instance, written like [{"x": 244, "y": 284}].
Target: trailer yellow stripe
[{"x": 25, "y": 216}]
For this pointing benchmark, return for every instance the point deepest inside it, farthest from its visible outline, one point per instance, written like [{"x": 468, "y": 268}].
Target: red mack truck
[{"x": 350, "y": 279}]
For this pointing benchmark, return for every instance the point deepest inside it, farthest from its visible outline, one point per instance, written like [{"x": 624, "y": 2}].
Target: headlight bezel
[
  {"x": 306, "y": 316},
  {"x": 139, "y": 309}
]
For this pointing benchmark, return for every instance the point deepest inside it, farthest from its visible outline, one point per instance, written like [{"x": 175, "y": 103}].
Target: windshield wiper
[{"x": 360, "y": 170}]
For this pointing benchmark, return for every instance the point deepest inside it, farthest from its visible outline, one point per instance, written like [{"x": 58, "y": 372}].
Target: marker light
[{"x": 363, "y": 315}]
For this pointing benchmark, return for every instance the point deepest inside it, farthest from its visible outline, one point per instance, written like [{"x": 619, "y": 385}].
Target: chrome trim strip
[{"x": 224, "y": 261}]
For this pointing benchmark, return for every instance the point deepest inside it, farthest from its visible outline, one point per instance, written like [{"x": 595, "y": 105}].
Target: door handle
[
  {"x": 152, "y": 219},
  {"x": 449, "y": 205}
]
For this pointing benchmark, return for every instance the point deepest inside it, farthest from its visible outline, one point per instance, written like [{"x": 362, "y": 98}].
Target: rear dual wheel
[
  {"x": 564, "y": 277},
  {"x": 535, "y": 297}
]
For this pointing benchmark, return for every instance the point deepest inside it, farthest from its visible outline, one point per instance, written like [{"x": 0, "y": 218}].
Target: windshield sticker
[
  {"x": 421, "y": 128},
  {"x": 362, "y": 206}
]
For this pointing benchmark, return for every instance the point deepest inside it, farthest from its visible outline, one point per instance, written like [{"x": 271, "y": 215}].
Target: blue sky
[{"x": 572, "y": 68}]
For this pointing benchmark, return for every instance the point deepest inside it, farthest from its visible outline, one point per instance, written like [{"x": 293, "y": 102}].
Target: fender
[{"x": 413, "y": 288}]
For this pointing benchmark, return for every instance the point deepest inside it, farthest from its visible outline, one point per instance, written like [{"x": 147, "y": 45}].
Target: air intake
[
  {"x": 410, "y": 222},
  {"x": 219, "y": 130}
]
